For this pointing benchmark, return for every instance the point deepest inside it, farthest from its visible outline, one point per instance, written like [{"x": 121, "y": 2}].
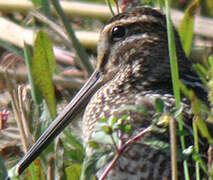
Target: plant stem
[
  {"x": 122, "y": 148},
  {"x": 175, "y": 79},
  {"x": 114, "y": 143},
  {"x": 172, "y": 131},
  {"x": 110, "y": 7},
  {"x": 16, "y": 108},
  {"x": 195, "y": 131},
  {"x": 71, "y": 34}
]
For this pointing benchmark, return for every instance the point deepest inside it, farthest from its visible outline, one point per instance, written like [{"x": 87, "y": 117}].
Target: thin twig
[{"x": 122, "y": 148}]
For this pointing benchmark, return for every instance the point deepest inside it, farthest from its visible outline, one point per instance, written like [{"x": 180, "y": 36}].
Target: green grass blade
[
  {"x": 175, "y": 78},
  {"x": 43, "y": 6},
  {"x": 71, "y": 34},
  {"x": 210, "y": 83},
  {"x": 75, "y": 143},
  {"x": 110, "y": 7},
  {"x": 28, "y": 61},
  {"x": 35, "y": 171},
  {"x": 195, "y": 134},
  {"x": 3, "y": 170},
  {"x": 11, "y": 48}
]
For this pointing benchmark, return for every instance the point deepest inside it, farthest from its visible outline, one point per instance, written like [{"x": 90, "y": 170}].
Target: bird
[
  {"x": 134, "y": 59},
  {"x": 133, "y": 69}
]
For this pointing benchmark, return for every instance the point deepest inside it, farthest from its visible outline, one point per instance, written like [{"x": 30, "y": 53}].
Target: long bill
[{"x": 61, "y": 121}]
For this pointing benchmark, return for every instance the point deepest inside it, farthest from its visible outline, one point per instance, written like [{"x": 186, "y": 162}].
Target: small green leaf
[
  {"x": 121, "y": 127},
  {"x": 107, "y": 129},
  {"x": 88, "y": 166},
  {"x": 112, "y": 120},
  {"x": 73, "y": 172},
  {"x": 103, "y": 120},
  {"x": 157, "y": 144},
  {"x": 75, "y": 142},
  {"x": 159, "y": 105},
  {"x": 43, "y": 67},
  {"x": 35, "y": 171},
  {"x": 74, "y": 155},
  {"x": 135, "y": 108},
  {"x": 73, "y": 147},
  {"x": 204, "y": 130},
  {"x": 128, "y": 129},
  {"x": 148, "y": 3},
  {"x": 159, "y": 130},
  {"x": 182, "y": 132},
  {"x": 102, "y": 138},
  {"x": 103, "y": 160},
  {"x": 37, "y": 3},
  {"x": 124, "y": 117},
  {"x": 187, "y": 25},
  {"x": 93, "y": 144}
]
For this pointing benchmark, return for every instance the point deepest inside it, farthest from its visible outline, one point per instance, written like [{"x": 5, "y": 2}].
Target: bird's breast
[{"x": 138, "y": 158}]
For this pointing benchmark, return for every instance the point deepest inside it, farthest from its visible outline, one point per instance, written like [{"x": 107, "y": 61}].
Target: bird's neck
[{"x": 131, "y": 78}]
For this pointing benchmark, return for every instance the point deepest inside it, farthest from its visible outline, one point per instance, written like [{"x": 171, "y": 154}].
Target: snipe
[{"x": 133, "y": 69}]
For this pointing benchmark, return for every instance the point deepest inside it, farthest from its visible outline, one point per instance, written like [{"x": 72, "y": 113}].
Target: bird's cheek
[
  {"x": 103, "y": 52},
  {"x": 109, "y": 72}
]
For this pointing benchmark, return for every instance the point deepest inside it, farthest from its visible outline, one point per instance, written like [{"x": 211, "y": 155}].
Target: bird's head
[{"x": 137, "y": 39}]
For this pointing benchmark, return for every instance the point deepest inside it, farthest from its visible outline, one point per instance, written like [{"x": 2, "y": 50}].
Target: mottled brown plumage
[{"x": 134, "y": 59}]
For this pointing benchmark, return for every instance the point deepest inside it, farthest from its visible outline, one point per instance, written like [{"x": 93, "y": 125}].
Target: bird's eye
[{"x": 118, "y": 32}]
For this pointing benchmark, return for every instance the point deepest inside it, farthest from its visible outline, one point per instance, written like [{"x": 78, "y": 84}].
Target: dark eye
[{"x": 118, "y": 32}]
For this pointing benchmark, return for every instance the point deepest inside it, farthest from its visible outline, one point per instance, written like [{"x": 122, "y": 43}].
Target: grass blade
[
  {"x": 175, "y": 78},
  {"x": 186, "y": 31},
  {"x": 76, "y": 44},
  {"x": 3, "y": 170},
  {"x": 28, "y": 61}
]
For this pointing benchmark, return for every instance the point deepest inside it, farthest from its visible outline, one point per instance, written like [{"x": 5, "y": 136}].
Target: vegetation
[{"x": 34, "y": 108}]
